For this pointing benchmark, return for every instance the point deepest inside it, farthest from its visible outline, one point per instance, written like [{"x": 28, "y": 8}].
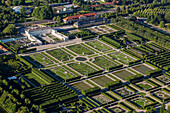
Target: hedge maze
[{"x": 118, "y": 81}]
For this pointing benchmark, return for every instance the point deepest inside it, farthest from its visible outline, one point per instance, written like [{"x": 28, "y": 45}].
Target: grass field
[
  {"x": 145, "y": 86},
  {"x": 28, "y": 1},
  {"x": 82, "y": 68},
  {"x": 141, "y": 101},
  {"x": 98, "y": 45},
  {"x": 80, "y": 86},
  {"x": 103, "y": 62},
  {"x": 101, "y": 80},
  {"x": 34, "y": 79},
  {"x": 62, "y": 73},
  {"x": 122, "y": 74},
  {"x": 142, "y": 68},
  {"x": 39, "y": 59},
  {"x": 121, "y": 57},
  {"x": 59, "y": 54},
  {"x": 80, "y": 50}
]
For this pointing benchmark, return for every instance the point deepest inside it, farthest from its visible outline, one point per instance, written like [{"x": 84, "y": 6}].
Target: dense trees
[
  {"x": 44, "y": 12},
  {"x": 10, "y": 30}
]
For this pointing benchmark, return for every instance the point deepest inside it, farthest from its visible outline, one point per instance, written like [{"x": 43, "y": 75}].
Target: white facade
[
  {"x": 59, "y": 35},
  {"x": 32, "y": 38}
]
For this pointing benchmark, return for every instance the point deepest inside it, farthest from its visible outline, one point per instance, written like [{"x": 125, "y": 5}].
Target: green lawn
[
  {"x": 98, "y": 45},
  {"x": 61, "y": 72},
  {"x": 80, "y": 50},
  {"x": 145, "y": 86},
  {"x": 122, "y": 74},
  {"x": 141, "y": 101},
  {"x": 34, "y": 79},
  {"x": 80, "y": 86},
  {"x": 59, "y": 54},
  {"x": 103, "y": 62},
  {"x": 142, "y": 68},
  {"x": 39, "y": 59},
  {"x": 101, "y": 80},
  {"x": 82, "y": 68},
  {"x": 28, "y": 1},
  {"x": 121, "y": 57}
]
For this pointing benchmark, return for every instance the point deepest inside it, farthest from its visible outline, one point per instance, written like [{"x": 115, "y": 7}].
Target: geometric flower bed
[
  {"x": 161, "y": 94},
  {"x": 98, "y": 45},
  {"x": 124, "y": 91},
  {"x": 163, "y": 78},
  {"x": 121, "y": 57},
  {"x": 118, "y": 110},
  {"x": 123, "y": 74},
  {"x": 146, "y": 85},
  {"x": 80, "y": 86},
  {"x": 102, "y": 99}
]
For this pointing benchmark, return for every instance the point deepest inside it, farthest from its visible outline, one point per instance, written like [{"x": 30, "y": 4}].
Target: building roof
[
  {"x": 70, "y": 5},
  {"x": 108, "y": 3},
  {"x": 78, "y": 16},
  {"x": 116, "y": 1},
  {"x": 94, "y": 5}
]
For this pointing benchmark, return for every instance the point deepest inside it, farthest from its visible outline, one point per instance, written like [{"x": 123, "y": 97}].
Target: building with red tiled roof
[
  {"x": 94, "y": 6},
  {"x": 116, "y": 1},
  {"x": 71, "y": 19},
  {"x": 108, "y": 3}
]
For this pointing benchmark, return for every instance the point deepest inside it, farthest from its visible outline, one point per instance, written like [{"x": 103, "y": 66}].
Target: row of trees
[
  {"x": 145, "y": 32},
  {"x": 12, "y": 2}
]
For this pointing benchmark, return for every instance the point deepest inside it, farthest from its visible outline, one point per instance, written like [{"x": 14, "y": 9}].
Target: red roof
[
  {"x": 116, "y": 1},
  {"x": 94, "y": 5},
  {"x": 108, "y": 3},
  {"x": 78, "y": 16}
]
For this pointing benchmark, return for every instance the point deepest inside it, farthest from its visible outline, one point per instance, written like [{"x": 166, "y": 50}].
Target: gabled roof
[
  {"x": 108, "y": 3},
  {"x": 78, "y": 16},
  {"x": 94, "y": 5}
]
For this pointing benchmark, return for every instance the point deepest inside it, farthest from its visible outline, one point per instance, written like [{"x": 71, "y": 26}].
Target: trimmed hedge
[
  {"x": 134, "y": 62},
  {"x": 112, "y": 84},
  {"x": 133, "y": 78},
  {"x": 90, "y": 91},
  {"x": 115, "y": 68},
  {"x": 27, "y": 50},
  {"x": 154, "y": 72},
  {"x": 95, "y": 73}
]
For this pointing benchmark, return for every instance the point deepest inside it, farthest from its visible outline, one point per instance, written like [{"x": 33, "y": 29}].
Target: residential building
[
  {"x": 92, "y": 22},
  {"x": 17, "y": 9},
  {"x": 64, "y": 9},
  {"x": 71, "y": 19}
]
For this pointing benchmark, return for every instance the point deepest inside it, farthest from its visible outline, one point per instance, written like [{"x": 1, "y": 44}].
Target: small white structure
[
  {"x": 12, "y": 78},
  {"x": 17, "y": 9},
  {"x": 59, "y": 35},
  {"x": 33, "y": 39}
]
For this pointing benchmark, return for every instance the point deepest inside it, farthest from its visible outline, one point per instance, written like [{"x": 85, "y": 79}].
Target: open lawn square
[
  {"x": 82, "y": 68},
  {"x": 123, "y": 92},
  {"x": 62, "y": 73},
  {"x": 102, "y": 80},
  {"x": 39, "y": 59},
  {"x": 141, "y": 101},
  {"x": 161, "y": 94},
  {"x": 98, "y": 45},
  {"x": 103, "y": 62},
  {"x": 80, "y": 86},
  {"x": 35, "y": 79},
  {"x": 164, "y": 79},
  {"x": 123, "y": 74},
  {"x": 101, "y": 99},
  {"x": 121, "y": 57},
  {"x": 142, "y": 68},
  {"x": 144, "y": 85},
  {"x": 59, "y": 54},
  {"x": 79, "y": 49},
  {"x": 117, "y": 109}
]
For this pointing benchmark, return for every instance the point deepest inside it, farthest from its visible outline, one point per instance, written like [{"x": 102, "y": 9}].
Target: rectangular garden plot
[
  {"x": 62, "y": 73},
  {"x": 142, "y": 68},
  {"x": 60, "y": 54},
  {"x": 79, "y": 49},
  {"x": 164, "y": 79},
  {"x": 124, "y": 92},
  {"x": 141, "y": 102},
  {"x": 146, "y": 85},
  {"x": 118, "y": 109},
  {"x": 82, "y": 68},
  {"x": 103, "y": 62},
  {"x": 121, "y": 57},
  {"x": 35, "y": 79},
  {"x": 102, "y": 80},
  {"x": 80, "y": 86},
  {"x": 102, "y": 99},
  {"x": 98, "y": 45},
  {"x": 123, "y": 74},
  {"x": 163, "y": 95},
  {"x": 39, "y": 60}
]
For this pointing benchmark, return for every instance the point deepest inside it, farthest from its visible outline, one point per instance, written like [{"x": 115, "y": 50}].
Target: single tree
[
  {"x": 58, "y": 20},
  {"x": 162, "y": 24}
]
